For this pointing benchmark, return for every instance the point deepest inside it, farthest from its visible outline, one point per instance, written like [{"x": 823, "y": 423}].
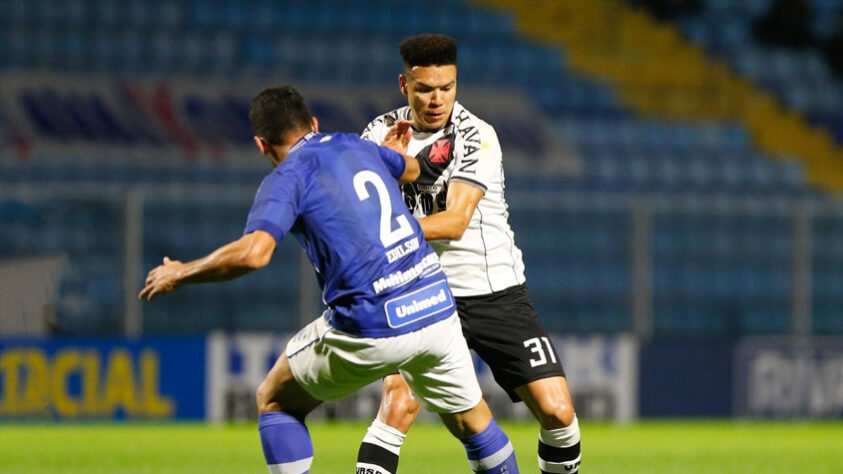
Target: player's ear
[
  {"x": 262, "y": 144},
  {"x": 314, "y": 124},
  {"x": 402, "y": 83}
]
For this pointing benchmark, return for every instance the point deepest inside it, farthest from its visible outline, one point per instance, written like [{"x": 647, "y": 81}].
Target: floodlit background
[{"x": 674, "y": 171}]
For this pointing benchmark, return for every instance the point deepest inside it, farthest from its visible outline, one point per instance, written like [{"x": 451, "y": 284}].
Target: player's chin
[{"x": 435, "y": 121}]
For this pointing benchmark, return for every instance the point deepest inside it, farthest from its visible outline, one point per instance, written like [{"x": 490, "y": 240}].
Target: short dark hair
[
  {"x": 428, "y": 50},
  {"x": 276, "y": 111}
]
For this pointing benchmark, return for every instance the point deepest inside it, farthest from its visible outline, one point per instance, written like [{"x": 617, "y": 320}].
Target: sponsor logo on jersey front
[
  {"x": 428, "y": 265},
  {"x": 471, "y": 141},
  {"x": 423, "y": 303}
]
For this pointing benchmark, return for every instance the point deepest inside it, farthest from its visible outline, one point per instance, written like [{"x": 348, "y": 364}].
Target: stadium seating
[
  {"x": 800, "y": 78},
  {"x": 91, "y": 293}
]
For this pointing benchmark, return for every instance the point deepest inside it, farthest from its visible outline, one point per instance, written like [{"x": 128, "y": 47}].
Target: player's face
[{"x": 431, "y": 91}]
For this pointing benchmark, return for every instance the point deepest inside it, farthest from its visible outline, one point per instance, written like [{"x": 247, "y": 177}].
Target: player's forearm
[
  {"x": 226, "y": 263},
  {"x": 412, "y": 170},
  {"x": 445, "y": 225}
]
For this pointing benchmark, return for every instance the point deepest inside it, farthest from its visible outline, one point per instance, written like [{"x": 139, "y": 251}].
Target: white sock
[
  {"x": 559, "y": 450},
  {"x": 380, "y": 449}
]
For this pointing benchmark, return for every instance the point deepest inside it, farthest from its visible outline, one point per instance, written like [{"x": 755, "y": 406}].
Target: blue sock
[
  {"x": 286, "y": 443},
  {"x": 490, "y": 452}
]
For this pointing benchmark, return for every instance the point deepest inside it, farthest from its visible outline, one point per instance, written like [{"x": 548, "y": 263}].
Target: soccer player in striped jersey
[
  {"x": 459, "y": 201},
  {"x": 389, "y": 304}
]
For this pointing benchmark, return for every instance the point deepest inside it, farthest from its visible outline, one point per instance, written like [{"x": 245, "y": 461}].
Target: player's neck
[{"x": 294, "y": 137}]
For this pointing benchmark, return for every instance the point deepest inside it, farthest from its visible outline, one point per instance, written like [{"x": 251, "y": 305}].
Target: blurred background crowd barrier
[{"x": 674, "y": 171}]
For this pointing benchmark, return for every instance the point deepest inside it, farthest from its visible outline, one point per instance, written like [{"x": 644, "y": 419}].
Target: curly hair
[{"x": 428, "y": 50}]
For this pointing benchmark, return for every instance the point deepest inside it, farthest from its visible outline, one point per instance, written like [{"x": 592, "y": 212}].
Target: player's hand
[
  {"x": 398, "y": 137},
  {"x": 162, "y": 279}
]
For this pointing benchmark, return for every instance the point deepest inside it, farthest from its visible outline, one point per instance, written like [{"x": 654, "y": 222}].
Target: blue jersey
[{"x": 338, "y": 194}]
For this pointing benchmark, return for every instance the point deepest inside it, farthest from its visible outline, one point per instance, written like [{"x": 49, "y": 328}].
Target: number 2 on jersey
[{"x": 389, "y": 235}]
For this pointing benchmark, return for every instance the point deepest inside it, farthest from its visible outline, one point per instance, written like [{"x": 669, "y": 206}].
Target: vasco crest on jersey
[{"x": 438, "y": 155}]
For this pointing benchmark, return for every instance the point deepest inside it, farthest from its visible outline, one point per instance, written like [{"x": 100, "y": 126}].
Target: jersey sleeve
[
  {"x": 393, "y": 160},
  {"x": 375, "y": 131},
  {"x": 277, "y": 204},
  {"x": 479, "y": 161}
]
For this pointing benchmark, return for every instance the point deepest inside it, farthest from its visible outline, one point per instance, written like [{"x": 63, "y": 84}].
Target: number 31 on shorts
[{"x": 536, "y": 347}]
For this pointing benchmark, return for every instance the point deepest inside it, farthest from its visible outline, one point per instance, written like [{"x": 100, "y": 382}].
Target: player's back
[{"x": 365, "y": 246}]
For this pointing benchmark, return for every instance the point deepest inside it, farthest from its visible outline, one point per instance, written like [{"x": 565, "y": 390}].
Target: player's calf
[
  {"x": 286, "y": 443},
  {"x": 559, "y": 438},
  {"x": 283, "y": 404},
  {"x": 381, "y": 447},
  {"x": 490, "y": 451},
  {"x": 488, "y": 448}
]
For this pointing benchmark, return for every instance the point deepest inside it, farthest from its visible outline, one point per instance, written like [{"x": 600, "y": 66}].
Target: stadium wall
[
  {"x": 85, "y": 379},
  {"x": 612, "y": 377},
  {"x": 605, "y": 368}
]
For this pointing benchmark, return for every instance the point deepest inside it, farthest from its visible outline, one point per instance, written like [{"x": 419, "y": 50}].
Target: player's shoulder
[
  {"x": 325, "y": 147},
  {"x": 316, "y": 147},
  {"x": 465, "y": 120},
  {"x": 326, "y": 141},
  {"x": 387, "y": 120},
  {"x": 342, "y": 139}
]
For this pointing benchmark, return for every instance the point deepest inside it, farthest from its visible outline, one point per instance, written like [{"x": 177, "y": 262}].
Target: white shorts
[{"x": 434, "y": 360}]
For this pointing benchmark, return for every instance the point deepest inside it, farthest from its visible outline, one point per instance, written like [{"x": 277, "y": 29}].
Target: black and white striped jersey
[{"x": 467, "y": 150}]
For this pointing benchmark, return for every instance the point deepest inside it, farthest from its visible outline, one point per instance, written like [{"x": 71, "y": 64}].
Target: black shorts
[{"x": 505, "y": 331}]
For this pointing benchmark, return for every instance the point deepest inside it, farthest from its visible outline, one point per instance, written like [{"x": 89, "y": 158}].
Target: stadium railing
[{"x": 657, "y": 267}]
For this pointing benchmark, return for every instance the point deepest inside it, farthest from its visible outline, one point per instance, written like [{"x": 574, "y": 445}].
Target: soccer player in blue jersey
[{"x": 389, "y": 305}]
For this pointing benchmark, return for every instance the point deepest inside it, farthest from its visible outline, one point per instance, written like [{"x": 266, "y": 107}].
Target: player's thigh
[
  {"x": 441, "y": 372},
  {"x": 330, "y": 364},
  {"x": 506, "y": 332}
]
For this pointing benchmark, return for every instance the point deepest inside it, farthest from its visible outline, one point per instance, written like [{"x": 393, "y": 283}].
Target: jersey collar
[{"x": 301, "y": 141}]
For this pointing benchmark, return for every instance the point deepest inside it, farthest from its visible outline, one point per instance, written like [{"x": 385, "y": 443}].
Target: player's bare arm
[
  {"x": 397, "y": 140},
  {"x": 451, "y": 223},
  {"x": 233, "y": 260}
]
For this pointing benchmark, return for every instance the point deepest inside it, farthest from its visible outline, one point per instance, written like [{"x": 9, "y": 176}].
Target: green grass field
[{"x": 684, "y": 447}]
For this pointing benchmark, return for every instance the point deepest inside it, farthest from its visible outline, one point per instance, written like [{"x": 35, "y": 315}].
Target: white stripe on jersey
[{"x": 486, "y": 258}]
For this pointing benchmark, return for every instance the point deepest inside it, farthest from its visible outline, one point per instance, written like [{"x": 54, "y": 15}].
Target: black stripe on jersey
[
  {"x": 485, "y": 250},
  {"x": 476, "y": 184}
]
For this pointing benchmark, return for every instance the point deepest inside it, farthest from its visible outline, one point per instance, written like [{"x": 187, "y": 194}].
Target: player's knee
[
  {"x": 555, "y": 413},
  {"x": 264, "y": 397}
]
